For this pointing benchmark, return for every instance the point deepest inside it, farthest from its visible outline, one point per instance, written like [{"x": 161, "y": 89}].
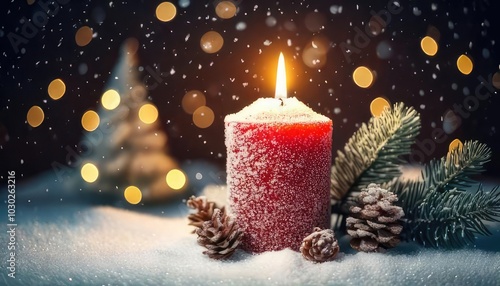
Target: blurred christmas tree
[{"x": 131, "y": 158}]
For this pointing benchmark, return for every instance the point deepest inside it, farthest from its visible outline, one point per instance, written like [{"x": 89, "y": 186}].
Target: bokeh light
[
  {"x": 166, "y": 11},
  {"x": 56, "y": 89},
  {"x": 363, "y": 77},
  {"x": 192, "y": 100},
  {"x": 451, "y": 121},
  {"x": 225, "y": 9},
  {"x": 496, "y": 80},
  {"x": 464, "y": 64},
  {"x": 378, "y": 105},
  {"x": 90, "y": 120},
  {"x": 203, "y": 117},
  {"x": 429, "y": 46},
  {"x": 211, "y": 42},
  {"x": 176, "y": 179},
  {"x": 314, "y": 54},
  {"x": 83, "y": 36},
  {"x": 89, "y": 173},
  {"x": 148, "y": 113},
  {"x": 110, "y": 99},
  {"x": 35, "y": 116},
  {"x": 455, "y": 144},
  {"x": 133, "y": 195}
]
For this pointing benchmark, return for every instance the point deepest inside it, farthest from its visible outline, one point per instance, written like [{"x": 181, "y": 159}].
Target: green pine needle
[
  {"x": 440, "y": 212},
  {"x": 372, "y": 154},
  {"x": 452, "y": 171},
  {"x": 451, "y": 219}
]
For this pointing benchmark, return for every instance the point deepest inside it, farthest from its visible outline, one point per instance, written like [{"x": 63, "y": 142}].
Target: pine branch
[
  {"x": 451, "y": 219},
  {"x": 451, "y": 171},
  {"x": 440, "y": 212},
  {"x": 372, "y": 154}
]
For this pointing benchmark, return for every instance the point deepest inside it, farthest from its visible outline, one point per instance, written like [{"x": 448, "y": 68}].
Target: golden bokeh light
[
  {"x": 176, "y": 179},
  {"x": 35, "y": 116},
  {"x": 363, "y": 77},
  {"x": 166, "y": 11},
  {"x": 192, "y": 100},
  {"x": 148, "y": 113},
  {"x": 225, "y": 9},
  {"x": 89, "y": 173},
  {"x": 110, "y": 99},
  {"x": 429, "y": 46},
  {"x": 211, "y": 42},
  {"x": 56, "y": 89},
  {"x": 496, "y": 80},
  {"x": 83, "y": 36},
  {"x": 455, "y": 144},
  {"x": 203, "y": 117},
  {"x": 90, "y": 120},
  {"x": 133, "y": 195},
  {"x": 464, "y": 64},
  {"x": 378, "y": 105}
]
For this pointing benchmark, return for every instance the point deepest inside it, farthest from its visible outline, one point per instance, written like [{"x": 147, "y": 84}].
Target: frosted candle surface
[{"x": 278, "y": 172}]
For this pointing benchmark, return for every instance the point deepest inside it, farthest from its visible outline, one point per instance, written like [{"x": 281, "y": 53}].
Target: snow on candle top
[{"x": 269, "y": 110}]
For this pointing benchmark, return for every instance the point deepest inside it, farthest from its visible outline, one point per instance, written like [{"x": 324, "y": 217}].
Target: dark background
[{"x": 431, "y": 84}]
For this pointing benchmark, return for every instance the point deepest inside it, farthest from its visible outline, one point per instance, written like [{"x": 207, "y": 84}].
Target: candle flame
[{"x": 281, "y": 78}]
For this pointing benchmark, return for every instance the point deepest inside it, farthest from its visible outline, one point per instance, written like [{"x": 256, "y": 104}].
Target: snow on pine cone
[
  {"x": 220, "y": 235},
  {"x": 204, "y": 210},
  {"x": 374, "y": 223},
  {"x": 320, "y": 246}
]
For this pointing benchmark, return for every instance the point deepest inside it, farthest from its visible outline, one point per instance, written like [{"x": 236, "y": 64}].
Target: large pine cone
[
  {"x": 375, "y": 223},
  {"x": 320, "y": 246},
  {"x": 221, "y": 235},
  {"x": 204, "y": 210}
]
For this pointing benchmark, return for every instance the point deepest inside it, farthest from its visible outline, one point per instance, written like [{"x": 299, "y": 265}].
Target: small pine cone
[
  {"x": 221, "y": 235},
  {"x": 204, "y": 210},
  {"x": 374, "y": 223},
  {"x": 320, "y": 246}
]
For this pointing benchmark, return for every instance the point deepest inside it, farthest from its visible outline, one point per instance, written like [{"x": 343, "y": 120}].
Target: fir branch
[
  {"x": 451, "y": 219},
  {"x": 451, "y": 171},
  {"x": 372, "y": 154}
]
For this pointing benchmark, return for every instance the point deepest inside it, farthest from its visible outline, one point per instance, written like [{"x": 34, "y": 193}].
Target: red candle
[{"x": 278, "y": 170}]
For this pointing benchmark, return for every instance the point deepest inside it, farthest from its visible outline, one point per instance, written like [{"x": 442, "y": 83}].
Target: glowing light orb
[
  {"x": 56, "y": 89},
  {"x": 166, "y": 11},
  {"x": 110, "y": 99},
  {"x": 148, "y": 113},
  {"x": 35, "y": 116},
  {"x": 90, "y": 120},
  {"x": 378, "y": 105},
  {"x": 83, "y": 36},
  {"x": 429, "y": 46},
  {"x": 464, "y": 64},
  {"x": 192, "y": 100},
  {"x": 89, "y": 173},
  {"x": 176, "y": 179},
  {"x": 225, "y": 9},
  {"x": 133, "y": 195},
  {"x": 211, "y": 42},
  {"x": 496, "y": 80},
  {"x": 203, "y": 117},
  {"x": 456, "y": 143},
  {"x": 363, "y": 77}
]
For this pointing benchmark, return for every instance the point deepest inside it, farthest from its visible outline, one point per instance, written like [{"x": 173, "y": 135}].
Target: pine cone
[
  {"x": 221, "y": 235},
  {"x": 204, "y": 210},
  {"x": 374, "y": 223},
  {"x": 320, "y": 246}
]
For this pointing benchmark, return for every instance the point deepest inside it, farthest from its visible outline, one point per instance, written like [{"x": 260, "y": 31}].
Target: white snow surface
[
  {"x": 71, "y": 242},
  {"x": 272, "y": 110}
]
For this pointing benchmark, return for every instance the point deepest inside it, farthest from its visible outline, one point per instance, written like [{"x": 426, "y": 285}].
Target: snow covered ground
[{"x": 63, "y": 240}]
